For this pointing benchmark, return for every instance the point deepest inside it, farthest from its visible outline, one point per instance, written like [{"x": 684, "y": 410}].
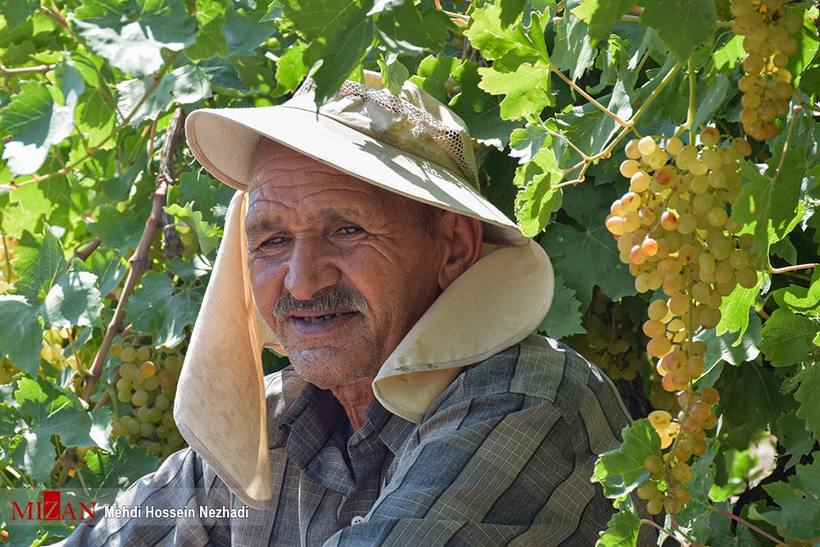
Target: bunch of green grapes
[
  {"x": 149, "y": 391},
  {"x": 7, "y": 277},
  {"x": 7, "y": 370},
  {"x": 767, "y": 27},
  {"x": 612, "y": 340},
  {"x": 673, "y": 229}
]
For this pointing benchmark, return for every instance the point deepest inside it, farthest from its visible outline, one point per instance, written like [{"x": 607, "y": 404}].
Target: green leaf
[
  {"x": 34, "y": 121},
  {"x": 479, "y": 110},
  {"x": 526, "y": 89},
  {"x": 394, "y": 74},
  {"x": 573, "y": 49},
  {"x": 120, "y": 230},
  {"x": 806, "y": 395},
  {"x": 622, "y": 530},
  {"x": 339, "y": 33},
  {"x": 538, "y": 197},
  {"x": 683, "y": 25},
  {"x": 601, "y": 15},
  {"x": 587, "y": 258},
  {"x": 728, "y": 56},
  {"x": 564, "y": 316},
  {"x": 27, "y": 209},
  {"x": 207, "y": 235},
  {"x": 38, "y": 264},
  {"x": 799, "y": 501},
  {"x": 17, "y": 12},
  {"x": 735, "y": 307},
  {"x": 727, "y": 347},
  {"x": 380, "y": 6},
  {"x": 525, "y": 142},
  {"x": 244, "y": 33},
  {"x": 20, "y": 332},
  {"x": 750, "y": 401},
  {"x": 712, "y": 93},
  {"x": 406, "y": 30},
  {"x": 695, "y": 518},
  {"x": 793, "y": 435},
  {"x": 185, "y": 85},
  {"x": 73, "y": 301},
  {"x": 131, "y": 34},
  {"x": 509, "y": 44},
  {"x": 803, "y": 300},
  {"x": 163, "y": 310},
  {"x": 621, "y": 470},
  {"x": 110, "y": 473},
  {"x": 786, "y": 338},
  {"x": 291, "y": 68}
]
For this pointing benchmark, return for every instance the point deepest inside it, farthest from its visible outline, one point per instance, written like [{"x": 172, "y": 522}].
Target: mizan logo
[{"x": 51, "y": 507}]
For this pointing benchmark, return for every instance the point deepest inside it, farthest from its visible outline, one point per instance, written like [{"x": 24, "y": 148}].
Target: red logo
[{"x": 51, "y": 507}]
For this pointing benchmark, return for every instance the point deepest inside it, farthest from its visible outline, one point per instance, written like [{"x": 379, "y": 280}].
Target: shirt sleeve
[
  {"x": 501, "y": 470},
  {"x": 178, "y": 488}
]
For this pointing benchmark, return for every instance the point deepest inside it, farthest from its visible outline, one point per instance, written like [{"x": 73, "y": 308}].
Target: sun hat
[{"x": 410, "y": 144}]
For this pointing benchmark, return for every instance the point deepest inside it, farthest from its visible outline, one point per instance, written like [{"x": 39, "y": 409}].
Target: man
[{"x": 418, "y": 407}]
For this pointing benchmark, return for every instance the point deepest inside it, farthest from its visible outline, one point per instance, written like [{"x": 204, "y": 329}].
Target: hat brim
[{"x": 223, "y": 140}]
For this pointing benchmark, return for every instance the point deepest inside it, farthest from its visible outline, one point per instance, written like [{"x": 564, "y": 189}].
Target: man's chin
[{"x": 328, "y": 367}]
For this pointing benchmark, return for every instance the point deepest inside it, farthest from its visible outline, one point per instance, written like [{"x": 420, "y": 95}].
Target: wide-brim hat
[{"x": 409, "y": 144}]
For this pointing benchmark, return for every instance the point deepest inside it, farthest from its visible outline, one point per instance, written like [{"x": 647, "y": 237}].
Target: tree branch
[
  {"x": 23, "y": 70},
  {"x": 85, "y": 251},
  {"x": 794, "y": 268},
  {"x": 139, "y": 260}
]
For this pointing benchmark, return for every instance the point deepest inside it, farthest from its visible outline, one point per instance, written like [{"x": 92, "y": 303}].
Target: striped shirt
[{"x": 503, "y": 456}]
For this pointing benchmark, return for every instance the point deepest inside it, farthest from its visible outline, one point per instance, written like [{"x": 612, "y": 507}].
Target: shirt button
[{"x": 356, "y": 520}]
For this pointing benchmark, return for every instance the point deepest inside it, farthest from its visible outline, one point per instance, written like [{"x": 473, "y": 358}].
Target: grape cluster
[
  {"x": 665, "y": 489},
  {"x": 145, "y": 393},
  {"x": 612, "y": 339},
  {"x": 673, "y": 229},
  {"x": 767, "y": 27}
]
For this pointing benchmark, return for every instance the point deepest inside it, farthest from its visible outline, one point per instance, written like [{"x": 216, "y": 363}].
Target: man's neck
[{"x": 355, "y": 398}]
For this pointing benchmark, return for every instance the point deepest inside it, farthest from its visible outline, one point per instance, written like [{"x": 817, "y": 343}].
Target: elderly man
[{"x": 418, "y": 406}]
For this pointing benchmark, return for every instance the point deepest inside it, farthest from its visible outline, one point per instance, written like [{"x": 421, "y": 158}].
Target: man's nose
[{"x": 310, "y": 268}]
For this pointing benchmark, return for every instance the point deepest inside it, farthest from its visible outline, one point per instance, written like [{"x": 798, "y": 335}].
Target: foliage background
[{"x": 91, "y": 88}]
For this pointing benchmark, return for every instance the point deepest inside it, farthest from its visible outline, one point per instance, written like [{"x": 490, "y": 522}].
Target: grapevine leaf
[
  {"x": 479, "y": 110},
  {"x": 131, "y": 35},
  {"x": 526, "y": 89},
  {"x": 38, "y": 264},
  {"x": 291, "y": 68},
  {"x": 101, "y": 425},
  {"x": 799, "y": 501},
  {"x": 73, "y": 300},
  {"x": 806, "y": 395},
  {"x": 394, "y": 74},
  {"x": 120, "y": 230},
  {"x": 409, "y": 30},
  {"x": 727, "y": 57},
  {"x": 573, "y": 48},
  {"x": 34, "y": 121},
  {"x": 17, "y": 11},
  {"x": 380, "y": 6},
  {"x": 244, "y": 33},
  {"x": 621, "y": 470},
  {"x": 208, "y": 236},
  {"x": 801, "y": 299},
  {"x": 601, "y": 15},
  {"x": 525, "y": 142},
  {"x": 723, "y": 536},
  {"x": 163, "y": 310},
  {"x": 433, "y": 74},
  {"x": 793, "y": 435},
  {"x": 342, "y": 23},
  {"x": 587, "y": 258},
  {"x": 112, "y": 472},
  {"x": 750, "y": 402},
  {"x": 712, "y": 94},
  {"x": 786, "y": 338},
  {"x": 734, "y": 309},
  {"x": 28, "y": 207},
  {"x": 20, "y": 332},
  {"x": 539, "y": 198},
  {"x": 696, "y": 516},
  {"x": 729, "y": 348},
  {"x": 683, "y": 25},
  {"x": 564, "y": 316},
  {"x": 807, "y": 46},
  {"x": 622, "y": 530},
  {"x": 509, "y": 44},
  {"x": 185, "y": 85}
]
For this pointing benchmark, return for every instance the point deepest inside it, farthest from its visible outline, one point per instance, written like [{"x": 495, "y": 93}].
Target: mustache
[{"x": 324, "y": 301}]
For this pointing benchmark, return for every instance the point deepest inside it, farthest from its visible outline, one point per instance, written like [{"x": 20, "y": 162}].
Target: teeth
[{"x": 322, "y": 318}]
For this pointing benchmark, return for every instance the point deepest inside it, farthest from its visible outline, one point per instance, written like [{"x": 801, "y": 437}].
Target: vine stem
[
  {"x": 660, "y": 528},
  {"x": 693, "y": 103},
  {"x": 6, "y": 259},
  {"x": 139, "y": 260},
  {"x": 590, "y": 98},
  {"x": 786, "y": 142},
  {"x": 747, "y": 524},
  {"x": 794, "y": 268},
  {"x": 584, "y": 164},
  {"x": 23, "y": 70},
  {"x": 89, "y": 153},
  {"x": 571, "y": 144}
]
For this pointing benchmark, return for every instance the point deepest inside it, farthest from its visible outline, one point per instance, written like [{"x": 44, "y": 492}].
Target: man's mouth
[
  {"x": 322, "y": 318},
  {"x": 317, "y": 322}
]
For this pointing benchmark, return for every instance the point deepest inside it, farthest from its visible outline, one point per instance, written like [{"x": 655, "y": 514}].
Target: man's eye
[
  {"x": 273, "y": 241},
  {"x": 350, "y": 230}
]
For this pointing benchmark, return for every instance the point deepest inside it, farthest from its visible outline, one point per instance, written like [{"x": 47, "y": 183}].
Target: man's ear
[{"x": 464, "y": 235}]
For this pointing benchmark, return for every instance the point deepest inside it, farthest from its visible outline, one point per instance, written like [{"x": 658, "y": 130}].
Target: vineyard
[{"x": 663, "y": 152}]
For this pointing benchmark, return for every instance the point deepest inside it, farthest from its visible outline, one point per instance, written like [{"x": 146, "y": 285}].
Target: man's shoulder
[
  {"x": 539, "y": 368},
  {"x": 282, "y": 388}
]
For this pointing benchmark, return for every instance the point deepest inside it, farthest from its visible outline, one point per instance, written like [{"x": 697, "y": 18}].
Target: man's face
[{"x": 340, "y": 269}]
